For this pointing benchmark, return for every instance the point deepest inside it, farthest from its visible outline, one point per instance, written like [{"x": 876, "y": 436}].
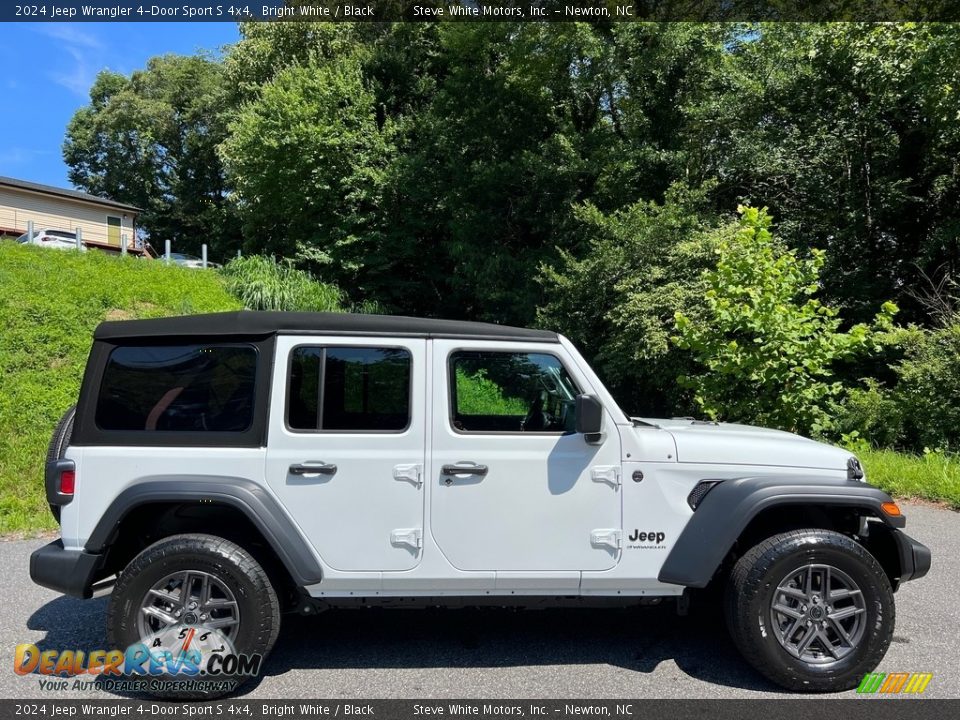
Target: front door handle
[
  {"x": 313, "y": 468},
  {"x": 458, "y": 469}
]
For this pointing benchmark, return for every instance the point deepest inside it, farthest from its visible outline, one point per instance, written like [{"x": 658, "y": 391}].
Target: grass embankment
[
  {"x": 50, "y": 303},
  {"x": 934, "y": 477}
]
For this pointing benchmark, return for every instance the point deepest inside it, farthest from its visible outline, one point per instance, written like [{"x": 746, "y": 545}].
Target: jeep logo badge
[{"x": 648, "y": 539}]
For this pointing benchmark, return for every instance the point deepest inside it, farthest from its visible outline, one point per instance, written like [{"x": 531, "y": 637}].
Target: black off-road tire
[
  {"x": 750, "y": 591},
  {"x": 59, "y": 442},
  {"x": 256, "y": 599},
  {"x": 62, "y": 433}
]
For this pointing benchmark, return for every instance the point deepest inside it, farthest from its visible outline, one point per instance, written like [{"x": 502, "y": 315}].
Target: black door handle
[
  {"x": 313, "y": 468},
  {"x": 480, "y": 470}
]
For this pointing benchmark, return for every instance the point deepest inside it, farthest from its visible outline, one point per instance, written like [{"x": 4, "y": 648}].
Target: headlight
[{"x": 855, "y": 470}]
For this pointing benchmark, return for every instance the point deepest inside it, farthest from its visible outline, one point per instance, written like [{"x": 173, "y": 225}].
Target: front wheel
[
  {"x": 810, "y": 609},
  {"x": 198, "y": 611}
]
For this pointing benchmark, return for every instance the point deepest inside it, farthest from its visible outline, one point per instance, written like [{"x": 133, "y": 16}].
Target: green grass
[
  {"x": 479, "y": 395},
  {"x": 935, "y": 476},
  {"x": 50, "y": 303}
]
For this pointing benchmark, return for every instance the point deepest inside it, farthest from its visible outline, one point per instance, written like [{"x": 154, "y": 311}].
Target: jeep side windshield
[{"x": 181, "y": 388}]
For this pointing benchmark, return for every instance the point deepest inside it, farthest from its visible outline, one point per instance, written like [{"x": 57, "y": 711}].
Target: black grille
[{"x": 700, "y": 492}]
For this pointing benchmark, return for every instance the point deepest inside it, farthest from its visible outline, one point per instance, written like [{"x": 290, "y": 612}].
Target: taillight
[{"x": 68, "y": 481}]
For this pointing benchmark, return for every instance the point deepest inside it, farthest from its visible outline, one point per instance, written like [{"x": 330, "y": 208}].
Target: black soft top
[{"x": 247, "y": 323}]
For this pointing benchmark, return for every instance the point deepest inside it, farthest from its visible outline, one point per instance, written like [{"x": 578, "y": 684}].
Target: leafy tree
[
  {"x": 848, "y": 132},
  {"x": 305, "y": 159},
  {"x": 478, "y": 141},
  {"x": 767, "y": 344},
  {"x": 151, "y": 140},
  {"x": 618, "y": 300}
]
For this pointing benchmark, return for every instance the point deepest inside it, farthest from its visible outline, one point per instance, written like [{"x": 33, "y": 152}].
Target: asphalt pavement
[{"x": 496, "y": 653}]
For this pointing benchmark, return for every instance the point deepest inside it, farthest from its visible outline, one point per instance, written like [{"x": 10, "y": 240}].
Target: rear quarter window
[{"x": 197, "y": 388}]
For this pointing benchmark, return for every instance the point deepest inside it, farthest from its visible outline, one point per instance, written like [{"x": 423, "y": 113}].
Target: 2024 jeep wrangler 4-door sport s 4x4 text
[{"x": 219, "y": 470}]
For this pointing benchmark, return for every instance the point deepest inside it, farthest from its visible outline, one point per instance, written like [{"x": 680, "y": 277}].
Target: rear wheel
[
  {"x": 187, "y": 598},
  {"x": 810, "y": 609}
]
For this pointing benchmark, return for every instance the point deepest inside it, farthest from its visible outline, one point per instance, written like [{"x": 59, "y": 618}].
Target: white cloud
[
  {"x": 16, "y": 156},
  {"x": 81, "y": 58},
  {"x": 71, "y": 35}
]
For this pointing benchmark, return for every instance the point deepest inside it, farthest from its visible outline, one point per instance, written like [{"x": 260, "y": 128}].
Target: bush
[
  {"x": 872, "y": 415},
  {"x": 262, "y": 283},
  {"x": 928, "y": 391},
  {"x": 919, "y": 409},
  {"x": 768, "y": 347}
]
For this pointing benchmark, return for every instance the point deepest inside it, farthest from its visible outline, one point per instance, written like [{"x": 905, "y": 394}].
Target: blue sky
[{"x": 46, "y": 70}]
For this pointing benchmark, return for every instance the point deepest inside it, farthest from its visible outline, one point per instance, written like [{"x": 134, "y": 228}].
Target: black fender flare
[
  {"x": 728, "y": 508},
  {"x": 242, "y": 494}
]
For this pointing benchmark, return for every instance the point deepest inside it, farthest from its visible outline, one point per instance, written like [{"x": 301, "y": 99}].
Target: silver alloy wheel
[
  {"x": 189, "y": 598},
  {"x": 818, "y": 614}
]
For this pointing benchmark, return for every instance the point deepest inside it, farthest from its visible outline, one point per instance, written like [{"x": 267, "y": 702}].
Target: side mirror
[{"x": 589, "y": 415}]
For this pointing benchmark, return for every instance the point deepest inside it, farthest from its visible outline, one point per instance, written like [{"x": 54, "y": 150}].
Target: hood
[{"x": 700, "y": 441}]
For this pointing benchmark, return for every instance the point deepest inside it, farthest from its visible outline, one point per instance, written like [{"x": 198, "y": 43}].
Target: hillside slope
[{"x": 50, "y": 302}]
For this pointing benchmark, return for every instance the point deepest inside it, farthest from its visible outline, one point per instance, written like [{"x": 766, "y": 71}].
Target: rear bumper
[
  {"x": 70, "y": 572},
  {"x": 914, "y": 557}
]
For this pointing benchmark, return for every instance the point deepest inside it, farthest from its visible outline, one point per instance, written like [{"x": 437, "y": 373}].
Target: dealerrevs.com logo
[
  {"x": 196, "y": 659},
  {"x": 901, "y": 683}
]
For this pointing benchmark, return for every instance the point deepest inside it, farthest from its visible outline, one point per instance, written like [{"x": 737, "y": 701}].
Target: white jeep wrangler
[{"x": 221, "y": 469}]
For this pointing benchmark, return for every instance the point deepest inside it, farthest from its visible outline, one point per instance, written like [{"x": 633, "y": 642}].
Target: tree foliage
[
  {"x": 575, "y": 175},
  {"x": 617, "y": 299},
  {"x": 305, "y": 160},
  {"x": 151, "y": 140},
  {"x": 769, "y": 346},
  {"x": 927, "y": 392}
]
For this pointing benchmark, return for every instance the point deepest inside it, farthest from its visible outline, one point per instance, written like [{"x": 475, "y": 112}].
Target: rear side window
[
  {"x": 345, "y": 389},
  {"x": 179, "y": 388}
]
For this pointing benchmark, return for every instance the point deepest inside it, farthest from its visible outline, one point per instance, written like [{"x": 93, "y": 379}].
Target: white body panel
[
  {"x": 537, "y": 507},
  {"x": 728, "y": 443},
  {"x": 103, "y": 472},
  {"x": 367, "y": 516}
]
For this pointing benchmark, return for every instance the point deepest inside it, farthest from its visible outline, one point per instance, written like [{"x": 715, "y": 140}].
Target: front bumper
[
  {"x": 914, "y": 556},
  {"x": 70, "y": 572}
]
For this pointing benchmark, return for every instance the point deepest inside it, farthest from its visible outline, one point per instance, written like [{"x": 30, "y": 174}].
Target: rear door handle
[
  {"x": 480, "y": 470},
  {"x": 313, "y": 468}
]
